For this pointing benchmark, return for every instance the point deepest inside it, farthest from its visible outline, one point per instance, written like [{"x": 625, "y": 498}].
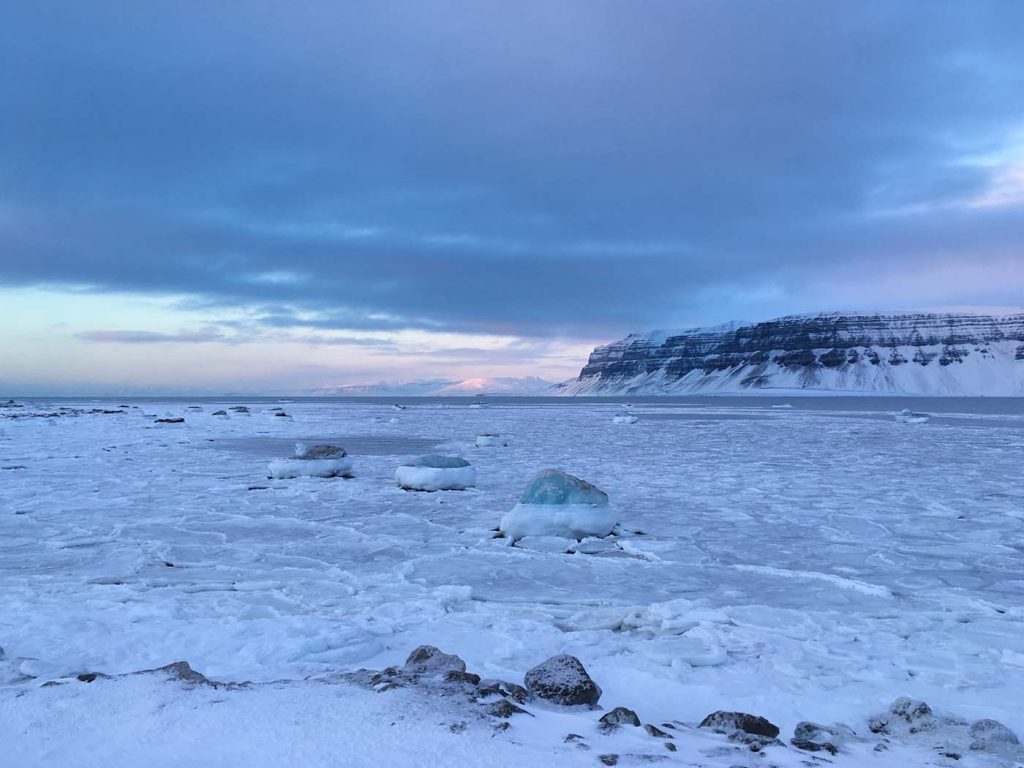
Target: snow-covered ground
[{"x": 805, "y": 563}]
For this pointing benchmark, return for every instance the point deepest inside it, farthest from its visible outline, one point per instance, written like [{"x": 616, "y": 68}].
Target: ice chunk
[
  {"x": 624, "y": 417},
  {"x": 490, "y": 439},
  {"x": 436, "y": 473},
  {"x": 553, "y": 486},
  {"x": 907, "y": 416},
  {"x": 559, "y": 504},
  {"x": 313, "y": 461}
]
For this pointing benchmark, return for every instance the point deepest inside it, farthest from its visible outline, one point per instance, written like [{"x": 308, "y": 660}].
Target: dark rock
[
  {"x": 177, "y": 420},
  {"x": 655, "y": 731},
  {"x": 756, "y": 732},
  {"x": 812, "y": 737},
  {"x": 467, "y": 678},
  {"x": 505, "y": 709},
  {"x": 219, "y": 413},
  {"x": 619, "y": 716},
  {"x": 991, "y": 735},
  {"x": 726, "y": 722},
  {"x": 609, "y": 759},
  {"x": 282, "y": 414},
  {"x": 505, "y": 689},
  {"x": 430, "y": 661},
  {"x": 563, "y": 680},
  {"x": 239, "y": 409},
  {"x": 670, "y": 746}
]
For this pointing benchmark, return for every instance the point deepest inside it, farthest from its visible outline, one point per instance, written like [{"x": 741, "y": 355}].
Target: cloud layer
[{"x": 537, "y": 169}]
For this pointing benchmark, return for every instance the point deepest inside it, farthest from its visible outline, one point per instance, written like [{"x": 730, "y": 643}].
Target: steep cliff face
[{"x": 912, "y": 353}]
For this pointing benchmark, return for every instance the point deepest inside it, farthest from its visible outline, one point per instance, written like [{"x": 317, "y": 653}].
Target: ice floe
[
  {"x": 436, "y": 473},
  {"x": 312, "y": 461}
]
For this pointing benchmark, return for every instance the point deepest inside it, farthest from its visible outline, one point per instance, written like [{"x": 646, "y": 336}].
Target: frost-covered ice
[
  {"x": 625, "y": 417},
  {"x": 490, "y": 440},
  {"x": 556, "y": 503},
  {"x": 312, "y": 461},
  {"x": 907, "y": 416},
  {"x": 806, "y": 564},
  {"x": 436, "y": 473}
]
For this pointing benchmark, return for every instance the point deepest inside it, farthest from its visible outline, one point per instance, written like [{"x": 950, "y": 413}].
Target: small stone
[
  {"x": 619, "y": 716},
  {"x": 739, "y": 727},
  {"x": 609, "y": 759},
  {"x": 505, "y": 709},
  {"x": 726, "y": 722},
  {"x": 655, "y": 731},
  {"x": 563, "y": 680},
  {"x": 505, "y": 689},
  {"x": 455, "y": 676}
]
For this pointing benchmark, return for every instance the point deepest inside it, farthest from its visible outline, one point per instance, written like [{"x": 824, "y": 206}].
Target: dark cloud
[
  {"x": 150, "y": 337},
  {"x": 531, "y": 168}
]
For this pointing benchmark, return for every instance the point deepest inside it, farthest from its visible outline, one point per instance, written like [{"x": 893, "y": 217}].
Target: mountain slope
[{"x": 905, "y": 353}]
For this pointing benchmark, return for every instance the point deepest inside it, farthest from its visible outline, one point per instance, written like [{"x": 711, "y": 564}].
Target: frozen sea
[{"x": 800, "y": 559}]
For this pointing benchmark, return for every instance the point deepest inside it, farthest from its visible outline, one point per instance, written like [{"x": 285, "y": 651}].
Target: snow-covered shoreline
[{"x": 792, "y": 564}]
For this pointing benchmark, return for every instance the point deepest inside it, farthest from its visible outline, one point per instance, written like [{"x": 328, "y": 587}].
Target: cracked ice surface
[{"x": 805, "y": 563}]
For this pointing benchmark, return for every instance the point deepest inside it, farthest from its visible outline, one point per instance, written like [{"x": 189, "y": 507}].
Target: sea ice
[
  {"x": 490, "y": 439},
  {"x": 907, "y": 416},
  {"x": 312, "y": 461},
  {"x": 436, "y": 473},
  {"x": 624, "y": 417}
]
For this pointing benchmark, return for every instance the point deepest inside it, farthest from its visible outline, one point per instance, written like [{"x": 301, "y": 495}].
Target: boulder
[
  {"x": 563, "y": 680},
  {"x": 429, "y": 661}
]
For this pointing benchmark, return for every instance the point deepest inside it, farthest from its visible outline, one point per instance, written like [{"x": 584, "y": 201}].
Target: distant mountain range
[
  {"x": 898, "y": 353},
  {"x": 529, "y": 385}
]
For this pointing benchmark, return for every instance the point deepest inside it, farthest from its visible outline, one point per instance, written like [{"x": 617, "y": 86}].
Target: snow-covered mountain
[
  {"x": 528, "y": 385},
  {"x": 901, "y": 353}
]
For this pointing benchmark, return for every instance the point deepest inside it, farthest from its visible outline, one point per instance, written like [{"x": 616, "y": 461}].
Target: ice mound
[
  {"x": 624, "y": 417},
  {"x": 907, "y": 416},
  {"x": 559, "y": 504},
  {"x": 312, "y": 461},
  {"x": 489, "y": 440},
  {"x": 436, "y": 473}
]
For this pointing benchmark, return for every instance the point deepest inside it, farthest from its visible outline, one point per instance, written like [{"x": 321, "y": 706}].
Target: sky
[{"x": 285, "y": 197}]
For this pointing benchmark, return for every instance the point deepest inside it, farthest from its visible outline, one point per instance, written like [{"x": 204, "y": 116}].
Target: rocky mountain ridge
[{"x": 898, "y": 353}]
